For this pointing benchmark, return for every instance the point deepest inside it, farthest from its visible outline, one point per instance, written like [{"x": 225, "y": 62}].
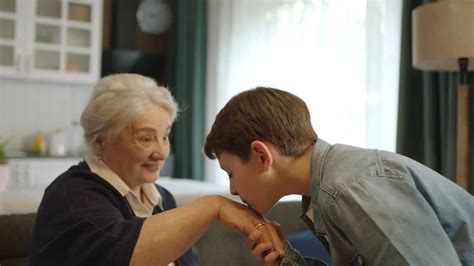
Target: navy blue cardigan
[{"x": 83, "y": 220}]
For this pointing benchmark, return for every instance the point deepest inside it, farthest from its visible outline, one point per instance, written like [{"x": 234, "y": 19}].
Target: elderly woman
[{"x": 107, "y": 210}]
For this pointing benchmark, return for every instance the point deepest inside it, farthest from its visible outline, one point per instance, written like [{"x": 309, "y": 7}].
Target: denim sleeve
[
  {"x": 293, "y": 258},
  {"x": 386, "y": 221}
]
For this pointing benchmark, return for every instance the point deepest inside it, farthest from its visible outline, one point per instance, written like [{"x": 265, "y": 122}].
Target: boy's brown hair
[{"x": 264, "y": 114}]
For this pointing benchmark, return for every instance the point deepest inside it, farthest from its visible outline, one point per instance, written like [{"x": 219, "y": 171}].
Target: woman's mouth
[{"x": 152, "y": 167}]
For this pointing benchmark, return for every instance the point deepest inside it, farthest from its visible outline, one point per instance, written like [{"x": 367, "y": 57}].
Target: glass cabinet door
[
  {"x": 8, "y": 15},
  {"x": 63, "y": 36},
  {"x": 48, "y": 33},
  {"x": 79, "y": 35}
]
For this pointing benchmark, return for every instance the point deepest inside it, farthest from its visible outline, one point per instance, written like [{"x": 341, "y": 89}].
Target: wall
[{"x": 29, "y": 107}]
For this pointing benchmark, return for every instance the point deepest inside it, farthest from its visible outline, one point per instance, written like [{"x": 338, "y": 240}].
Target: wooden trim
[{"x": 462, "y": 136}]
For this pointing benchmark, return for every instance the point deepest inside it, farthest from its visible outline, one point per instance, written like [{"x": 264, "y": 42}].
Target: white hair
[{"x": 119, "y": 99}]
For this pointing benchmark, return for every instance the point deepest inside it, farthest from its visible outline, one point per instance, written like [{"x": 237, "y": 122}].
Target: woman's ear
[
  {"x": 99, "y": 145},
  {"x": 262, "y": 151}
]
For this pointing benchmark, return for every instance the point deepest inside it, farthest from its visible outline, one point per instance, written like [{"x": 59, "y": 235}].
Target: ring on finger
[{"x": 259, "y": 225}]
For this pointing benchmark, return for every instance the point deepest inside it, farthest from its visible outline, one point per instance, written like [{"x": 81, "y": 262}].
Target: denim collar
[{"x": 320, "y": 151}]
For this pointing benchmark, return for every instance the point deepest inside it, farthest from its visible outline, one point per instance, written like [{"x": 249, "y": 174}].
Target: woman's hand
[
  {"x": 263, "y": 250},
  {"x": 245, "y": 220}
]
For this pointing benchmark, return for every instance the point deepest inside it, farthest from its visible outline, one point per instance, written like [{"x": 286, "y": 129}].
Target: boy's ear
[{"x": 262, "y": 151}]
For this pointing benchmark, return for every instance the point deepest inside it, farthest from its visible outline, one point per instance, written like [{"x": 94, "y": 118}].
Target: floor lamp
[{"x": 443, "y": 40}]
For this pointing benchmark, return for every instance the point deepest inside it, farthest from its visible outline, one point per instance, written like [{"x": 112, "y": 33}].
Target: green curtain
[
  {"x": 188, "y": 86},
  {"x": 427, "y": 110}
]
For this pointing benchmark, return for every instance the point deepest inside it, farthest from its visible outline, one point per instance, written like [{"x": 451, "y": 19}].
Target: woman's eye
[
  {"x": 146, "y": 139},
  {"x": 166, "y": 138},
  {"x": 230, "y": 176}
]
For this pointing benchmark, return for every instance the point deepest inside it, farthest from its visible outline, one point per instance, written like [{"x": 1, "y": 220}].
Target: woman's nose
[{"x": 160, "y": 151}]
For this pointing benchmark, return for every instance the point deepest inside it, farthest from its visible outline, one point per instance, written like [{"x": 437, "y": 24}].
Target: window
[{"x": 340, "y": 56}]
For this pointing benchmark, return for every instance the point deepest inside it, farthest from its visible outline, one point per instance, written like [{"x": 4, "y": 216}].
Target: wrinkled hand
[
  {"x": 262, "y": 249},
  {"x": 243, "y": 219}
]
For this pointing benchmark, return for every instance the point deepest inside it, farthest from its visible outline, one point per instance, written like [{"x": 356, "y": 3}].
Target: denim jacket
[{"x": 380, "y": 208}]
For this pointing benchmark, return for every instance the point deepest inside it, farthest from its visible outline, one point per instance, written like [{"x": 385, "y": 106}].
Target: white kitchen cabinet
[{"x": 51, "y": 40}]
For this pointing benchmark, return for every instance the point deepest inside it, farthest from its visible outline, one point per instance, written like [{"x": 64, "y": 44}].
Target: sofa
[
  {"x": 15, "y": 236},
  {"x": 218, "y": 246}
]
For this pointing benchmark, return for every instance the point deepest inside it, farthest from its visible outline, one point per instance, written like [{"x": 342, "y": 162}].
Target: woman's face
[{"x": 138, "y": 152}]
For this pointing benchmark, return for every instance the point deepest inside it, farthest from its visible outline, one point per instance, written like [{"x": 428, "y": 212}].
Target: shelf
[
  {"x": 78, "y": 50},
  {"x": 79, "y": 25},
  {"x": 47, "y": 47},
  {"x": 87, "y": 25},
  {"x": 7, "y": 42},
  {"x": 7, "y": 15},
  {"x": 35, "y": 157},
  {"x": 48, "y": 21},
  {"x": 17, "y": 154}
]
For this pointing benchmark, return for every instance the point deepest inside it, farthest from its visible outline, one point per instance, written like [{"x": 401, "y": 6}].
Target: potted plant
[{"x": 4, "y": 170}]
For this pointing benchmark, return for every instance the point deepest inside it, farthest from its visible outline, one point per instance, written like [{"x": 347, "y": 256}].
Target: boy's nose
[{"x": 233, "y": 191}]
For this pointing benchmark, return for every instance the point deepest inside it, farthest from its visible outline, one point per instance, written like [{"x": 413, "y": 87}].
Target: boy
[{"x": 368, "y": 206}]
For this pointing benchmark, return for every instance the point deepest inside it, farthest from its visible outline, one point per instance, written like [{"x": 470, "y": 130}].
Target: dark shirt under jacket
[{"x": 83, "y": 220}]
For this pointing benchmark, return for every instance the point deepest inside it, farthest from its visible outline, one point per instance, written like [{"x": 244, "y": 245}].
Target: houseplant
[{"x": 4, "y": 170}]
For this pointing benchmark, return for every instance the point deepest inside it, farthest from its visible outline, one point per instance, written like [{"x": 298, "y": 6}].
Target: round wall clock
[{"x": 153, "y": 16}]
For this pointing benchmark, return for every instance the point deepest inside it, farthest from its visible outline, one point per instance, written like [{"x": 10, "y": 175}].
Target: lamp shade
[{"x": 443, "y": 32}]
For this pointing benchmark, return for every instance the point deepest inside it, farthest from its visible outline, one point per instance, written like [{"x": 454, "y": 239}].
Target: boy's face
[{"x": 249, "y": 181}]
